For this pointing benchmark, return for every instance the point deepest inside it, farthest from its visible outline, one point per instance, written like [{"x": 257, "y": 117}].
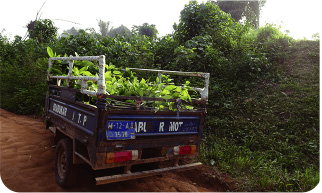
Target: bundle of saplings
[{"x": 124, "y": 82}]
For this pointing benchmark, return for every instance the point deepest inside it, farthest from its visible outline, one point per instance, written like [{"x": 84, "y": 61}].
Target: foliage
[
  {"x": 252, "y": 13},
  {"x": 205, "y": 19},
  {"x": 273, "y": 44},
  {"x": 164, "y": 53},
  {"x": 106, "y": 30},
  {"x": 42, "y": 30},
  {"x": 316, "y": 36},
  {"x": 72, "y": 31},
  {"x": 211, "y": 41},
  {"x": 121, "y": 30},
  {"x": 103, "y": 27},
  {"x": 267, "y": 131},
  {"x": 21, "y": 84},
  {"x": 124, "y": 83},
  {"x": 234, "y": 8},
  {"x": 146, "y": 30},
  {"x": 23, "y": 75},
  {"x": 248, "y": 10}
]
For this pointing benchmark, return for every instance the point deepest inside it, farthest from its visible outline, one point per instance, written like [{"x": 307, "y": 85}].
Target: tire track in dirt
[{"x": 27, "y": 165}]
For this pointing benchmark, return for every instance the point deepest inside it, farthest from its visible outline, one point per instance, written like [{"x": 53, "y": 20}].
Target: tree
[
  {"x": 72, "y": 31},
  {"x": 104, "y": 27},
  {"x": 146, "y": 29},
  {"x": 43, "y": 30},
  {"x": 235, "y": 8},
  {"x": 206, "y": 19},
  {"x": 106, "y": 30},
  {"x": 121, "y": 30},
  {"x": 239, "y": 10}
]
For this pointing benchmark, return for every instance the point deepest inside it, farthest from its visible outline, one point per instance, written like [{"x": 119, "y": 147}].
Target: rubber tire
[{"x": 64, "y": 156}]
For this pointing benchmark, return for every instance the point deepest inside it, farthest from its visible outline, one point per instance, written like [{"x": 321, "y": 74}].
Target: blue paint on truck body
[
  {"x": 125, "y": 126},
  {"x": 76, "y": 116},
  {"x": 150, "y": 125}
]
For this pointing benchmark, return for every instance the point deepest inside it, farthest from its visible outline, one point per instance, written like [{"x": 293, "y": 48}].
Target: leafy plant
[
  {"x": 125, "y": 83},
  {"x": 43, "y": 30}
]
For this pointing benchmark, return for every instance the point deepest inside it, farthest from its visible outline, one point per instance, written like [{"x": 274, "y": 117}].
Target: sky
[{"x": 299, "y": 17}]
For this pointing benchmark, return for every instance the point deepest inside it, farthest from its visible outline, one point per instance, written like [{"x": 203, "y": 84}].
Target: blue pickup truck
[{"x": 136, "y": 140}]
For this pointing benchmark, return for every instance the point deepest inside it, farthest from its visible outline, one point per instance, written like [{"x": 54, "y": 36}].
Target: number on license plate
[{"x": 117, "y": 130}]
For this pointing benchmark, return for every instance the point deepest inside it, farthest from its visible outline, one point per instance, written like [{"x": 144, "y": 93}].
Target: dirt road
[{"x": 27, "y": 165}]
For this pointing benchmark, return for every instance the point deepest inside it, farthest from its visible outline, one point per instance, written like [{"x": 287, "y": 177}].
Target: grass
[{"x": 267, "y": 138}]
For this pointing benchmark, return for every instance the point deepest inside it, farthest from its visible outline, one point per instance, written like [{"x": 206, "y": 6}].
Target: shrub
[
  {"x": 42, "y": 30},
  {"x": 23, "y": 87}
]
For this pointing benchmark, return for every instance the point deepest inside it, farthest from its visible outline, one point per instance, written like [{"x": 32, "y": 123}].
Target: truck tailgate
[{"x": 129, "y": 126}]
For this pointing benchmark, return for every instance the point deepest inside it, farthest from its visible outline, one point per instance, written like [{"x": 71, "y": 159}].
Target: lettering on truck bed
[
  {"x": 128, "y": 126},
  {"x": 166, "y": 127},
  {"x": 73, "y": 115}
]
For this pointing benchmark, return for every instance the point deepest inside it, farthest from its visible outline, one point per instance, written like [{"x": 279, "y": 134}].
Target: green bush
[
  {"x": 273, "y": 43},
  {"x": 42, "y": 30},
  {"x": 23, "y": 75},
  {"x": 23, "y": 87}
]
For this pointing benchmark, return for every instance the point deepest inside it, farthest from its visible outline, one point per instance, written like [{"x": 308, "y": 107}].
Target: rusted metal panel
[
  {"x": 198, "y": 74},
  {"x": 131, "y": 176},
  {"x": 68, "y": 95},
  {"x": 148, "y": 142},
  {"x": 101, "y": 158},
  {"x": 113, "y": 105},
  {"x": 88, "y": 107}
]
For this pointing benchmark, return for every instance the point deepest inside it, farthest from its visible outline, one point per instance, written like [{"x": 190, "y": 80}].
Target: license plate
[{"x": 120, "y": 130}]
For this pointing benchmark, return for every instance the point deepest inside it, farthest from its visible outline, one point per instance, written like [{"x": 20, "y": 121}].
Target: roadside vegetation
[
  {"x": 262, "y": 126},
  {"x": 266, "y": 136}
]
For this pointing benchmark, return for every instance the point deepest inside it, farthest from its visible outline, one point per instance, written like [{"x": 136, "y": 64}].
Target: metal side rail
[{"x": 136, "y": 175}]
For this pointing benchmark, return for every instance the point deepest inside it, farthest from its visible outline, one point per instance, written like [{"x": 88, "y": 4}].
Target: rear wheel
[{"x": 64, "y": 162}]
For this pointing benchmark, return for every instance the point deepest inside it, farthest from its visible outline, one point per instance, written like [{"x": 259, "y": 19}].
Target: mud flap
[{"x": 131, "y": 176}]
